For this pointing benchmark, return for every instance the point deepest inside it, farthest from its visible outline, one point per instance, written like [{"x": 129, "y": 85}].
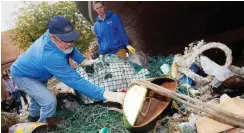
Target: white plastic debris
[
  {"x": 215, "y": 82},
  {"x": 223, "y": 98},
  {"x": 211, "y": 68},
  {"x": 165, "y": 68}
]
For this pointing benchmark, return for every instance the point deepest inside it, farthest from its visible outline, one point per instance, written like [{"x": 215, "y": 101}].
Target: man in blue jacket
[
  {"x": 47, "y": 57},
  {"x": 110, "y": 32}
]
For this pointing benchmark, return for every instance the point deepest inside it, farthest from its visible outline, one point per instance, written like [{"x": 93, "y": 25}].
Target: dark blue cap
[{"x": 62, "y": 28}]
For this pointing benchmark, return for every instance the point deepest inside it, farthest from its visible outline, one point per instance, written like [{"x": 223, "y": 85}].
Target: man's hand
[
  {"x": 87, "y": 62},
  {"x": 131, "y": 49},
  {"x": 114, "y": 96}
]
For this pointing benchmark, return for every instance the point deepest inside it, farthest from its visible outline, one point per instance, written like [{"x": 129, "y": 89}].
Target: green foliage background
[{"x": 33, "y": 19}]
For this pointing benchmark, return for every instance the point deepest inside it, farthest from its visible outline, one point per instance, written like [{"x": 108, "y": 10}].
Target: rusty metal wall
[{"x": 164, "y": 27}]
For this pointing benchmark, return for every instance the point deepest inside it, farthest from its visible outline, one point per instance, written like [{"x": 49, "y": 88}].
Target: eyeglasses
[
  {"x": 63, "y": 41},
  {"x": 68, "y": 42}
]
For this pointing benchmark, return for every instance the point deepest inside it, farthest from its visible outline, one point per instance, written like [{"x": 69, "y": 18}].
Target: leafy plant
[{"x": 32, "y": 23}]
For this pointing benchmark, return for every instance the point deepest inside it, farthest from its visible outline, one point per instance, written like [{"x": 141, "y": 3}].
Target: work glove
[
  {"x": 131, "y": 49},
  {"x": 117, "y": 97},
  {"x": 87, "y": 62}
]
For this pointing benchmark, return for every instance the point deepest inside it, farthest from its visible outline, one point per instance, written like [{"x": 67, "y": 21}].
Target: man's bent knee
[{"x": 51, "y": 103}]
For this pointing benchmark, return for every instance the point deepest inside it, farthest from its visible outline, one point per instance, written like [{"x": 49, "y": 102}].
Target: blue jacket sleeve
[
  {"x": 100, "y": 52},
  {"x": 58, "y": 67},
  {"x": 77, "y": 56},
  {"x": 121, "y": 29}
]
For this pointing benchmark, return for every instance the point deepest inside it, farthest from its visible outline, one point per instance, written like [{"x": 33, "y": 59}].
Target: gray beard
[{"x": 68, "y": 51}]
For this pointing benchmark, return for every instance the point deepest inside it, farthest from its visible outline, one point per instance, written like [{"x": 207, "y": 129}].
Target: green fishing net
[
  {"x": 90, "y": 119},
  {"x": 156, "y": 62},
  {"x": 114, "y": 74},
  {"x": 111, "y": 73}
]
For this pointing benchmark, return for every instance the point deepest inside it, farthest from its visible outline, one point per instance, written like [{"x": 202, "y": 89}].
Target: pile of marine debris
[
  {"x": 212, "y": 94},
  {"x": 217, "y": 92}
]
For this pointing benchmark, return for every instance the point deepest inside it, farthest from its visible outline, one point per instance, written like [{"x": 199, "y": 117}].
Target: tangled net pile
[
  {"x": 92, "y": 118},
  {"x": 116, "y": 74}
]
